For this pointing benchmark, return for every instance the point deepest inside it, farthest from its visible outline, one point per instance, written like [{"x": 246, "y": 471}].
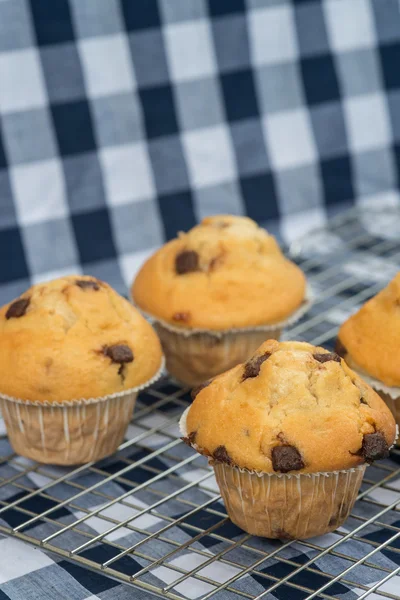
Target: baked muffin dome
[
  {"x": 74, "y": 338},
  {"x": 292, "y": 407},
  {"x": 370, "y": 339},
  {"x": 224, "y": 273}
]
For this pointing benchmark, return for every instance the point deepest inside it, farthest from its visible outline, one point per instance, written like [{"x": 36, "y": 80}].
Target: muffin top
[
  {"x": 292, "y": 407},
  {"x": 74, "y": 338},
  {"x": 370, "y": 339},
  {"x": 224, "y": 273}
]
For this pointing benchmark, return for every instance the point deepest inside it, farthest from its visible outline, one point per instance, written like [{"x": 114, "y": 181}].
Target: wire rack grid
[{"x": 151, "y": 516}]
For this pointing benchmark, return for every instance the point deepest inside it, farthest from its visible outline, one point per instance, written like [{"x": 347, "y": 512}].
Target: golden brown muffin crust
[
  {"x": 371, "y": 336},
  {"x": 292, "y": 407},
  {"x": 226, "y": 272},
  {"x": 73, "y": 338}
]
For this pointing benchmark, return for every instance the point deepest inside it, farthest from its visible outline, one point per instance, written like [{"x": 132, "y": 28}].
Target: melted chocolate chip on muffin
[
  {"x": 87, "y": 284},
  {"x": 253, "y": 366},
  {"x": 187, "y": 262},
  {"x": 374, "y": 447},
  {"x": 324, "y": 357},
  {"x": 119, "y": 353},
  {"x": 18, "y": 308},
  {"x": 221, "y": 454},
  {"x": 286, "y": 458}
]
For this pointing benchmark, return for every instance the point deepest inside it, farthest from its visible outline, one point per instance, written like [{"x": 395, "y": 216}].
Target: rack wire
[{"x": 151, "y": 515}]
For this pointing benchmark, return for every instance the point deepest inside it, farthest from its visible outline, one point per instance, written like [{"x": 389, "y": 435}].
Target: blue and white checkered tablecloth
[{"x": 122, "y": 122}]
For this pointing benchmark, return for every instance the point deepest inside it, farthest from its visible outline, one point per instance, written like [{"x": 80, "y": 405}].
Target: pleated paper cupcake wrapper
[
  {"x": 278, "y": 505},
  {"x": 195, "y": 355},
  {"x": 70, "y": 433}
]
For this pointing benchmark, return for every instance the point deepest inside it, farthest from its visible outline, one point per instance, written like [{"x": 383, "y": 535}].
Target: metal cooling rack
[{"x": 151, "y": 515}]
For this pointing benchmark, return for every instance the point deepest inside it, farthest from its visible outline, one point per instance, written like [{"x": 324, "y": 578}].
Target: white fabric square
[
  {"x": 120, "y": 512},
  {"x": 295, "y": 226},
  {"x": 290, "y": 139},
  {"x": 127, "y": 173},
  {"x": 367, "y": 122},
  {"x": 107, "y": 65},
  {"x": 21, "y": 81},
  {"x": 349, "y": 24},
  {"x": 20, "y": 559},
  {"x": 272, "y": 35},
  {"x": 210, "y": 155},
  {"x": 190, "y": 50},
  {"x": 39, "y": 191}
]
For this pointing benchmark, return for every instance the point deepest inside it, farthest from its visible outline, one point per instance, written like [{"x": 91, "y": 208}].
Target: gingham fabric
[{"x": 122, "y": 122}]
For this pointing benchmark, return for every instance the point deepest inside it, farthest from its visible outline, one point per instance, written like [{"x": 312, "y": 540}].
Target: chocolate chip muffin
[
  {"x": 370, "y": 343},
  {"x": 74, "y": 354},
  {"x": 289, "y": 434},
  {"x": 216, "y": 292}
]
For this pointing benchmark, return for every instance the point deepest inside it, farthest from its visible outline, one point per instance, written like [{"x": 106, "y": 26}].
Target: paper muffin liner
[
  {"x": 72, "y": 432},
  {"x": 195, "y": 355},
  {"x": 291, "y": 506},
  {"x": 288, "y": 506}
]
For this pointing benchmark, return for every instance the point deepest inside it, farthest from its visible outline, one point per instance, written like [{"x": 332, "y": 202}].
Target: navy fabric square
[
  {"x": 145, "y": 17},
  {"x": 159, "y": 111},
  {"x": 95, "y": 583},
  {"x": 337, "y": 180},
  {"x": 320, "y": 79},
  {"x": 239, "y": 95},
  {"x": 390, "y": 59},
  {"x": 176, "y": 211},
  {"x": 219, "y": 9},
  {"x": 260, "y": 197},
  {"x": 73, "y": 126},
  {"x": 93, "y": 235},
  {"x": 12, "y": 256},
  {"x": 3, "y": 159},
  {"x": 52, "y": 22}
]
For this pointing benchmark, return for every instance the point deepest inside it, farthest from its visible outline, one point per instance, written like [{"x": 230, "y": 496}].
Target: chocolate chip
[
  {"x": 286, "y": 458},
  {"x": 374, "y": 447},
  {"x": 196, "y": 390},
  {"x": 186, "y": 262},
  {"x": 18, "y": 308},
  {"x": 181, "y": 316},
  {"x": 253, "y": 366},
  {"x": 190, "y": 439},
  {"x": 340, "y": 348},
  {"x": 120, "y": 353},
  {"x": 324, "y": 357},
  {"x": 87, "y": 284},
  {"x": 221, "y": 454}
]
